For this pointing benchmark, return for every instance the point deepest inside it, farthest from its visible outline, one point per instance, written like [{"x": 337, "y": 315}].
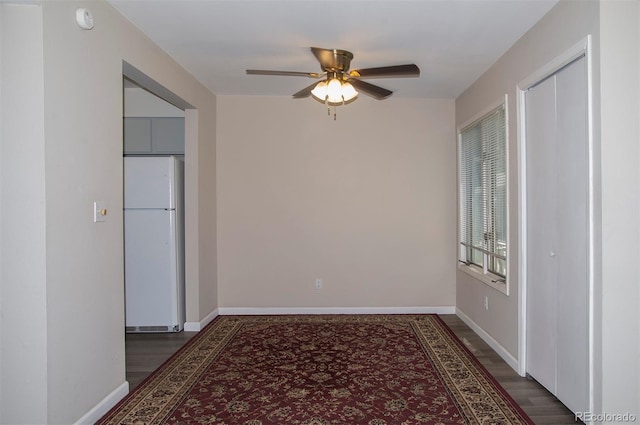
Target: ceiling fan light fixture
[
  {"x": 320, "y": 91},
  {"x": 339, "y": 83},
  {"x": 334, "y": 91},
  {"x": 348, "y": 92}
]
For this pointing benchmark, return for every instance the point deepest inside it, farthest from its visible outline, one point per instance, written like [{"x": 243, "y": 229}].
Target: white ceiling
[{"x": 452, "y": 41}]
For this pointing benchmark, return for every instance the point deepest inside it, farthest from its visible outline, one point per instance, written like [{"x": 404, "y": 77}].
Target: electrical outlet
[
  {"x": 318, "y": 283},
  {"x": 486, "y": 302}
]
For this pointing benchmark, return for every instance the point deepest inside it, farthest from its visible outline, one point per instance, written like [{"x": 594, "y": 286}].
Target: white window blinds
[{"x": 483, "y": 193}]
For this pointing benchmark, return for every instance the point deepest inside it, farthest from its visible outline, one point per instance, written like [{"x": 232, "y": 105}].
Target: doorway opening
[{"x": 154, "y": 140}]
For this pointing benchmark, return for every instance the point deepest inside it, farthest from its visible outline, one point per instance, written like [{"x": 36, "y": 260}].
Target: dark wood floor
[
  {"x": 541, "y": 406},
  {"x": 146, "y": 352}
]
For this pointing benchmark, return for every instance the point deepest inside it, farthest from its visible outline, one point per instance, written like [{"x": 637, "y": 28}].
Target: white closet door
[
  {"x": 573, "y": 237},
  {"x": 542, "y": 314},
  {"x": 557, "y": 176}
]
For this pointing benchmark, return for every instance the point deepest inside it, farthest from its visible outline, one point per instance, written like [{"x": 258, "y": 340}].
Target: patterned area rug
[{"x": 320, "y": 370}]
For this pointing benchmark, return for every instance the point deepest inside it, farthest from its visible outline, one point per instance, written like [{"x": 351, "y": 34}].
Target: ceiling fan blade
[
  {"x": 305, "y": 92},
  {"x": 284, "y": 73},
  {"x": 370, "y": 89},
  {"x": 409, "y": 70}
]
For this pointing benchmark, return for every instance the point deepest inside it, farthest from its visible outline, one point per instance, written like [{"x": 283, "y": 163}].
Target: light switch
[{"x": 99, "y": 211}]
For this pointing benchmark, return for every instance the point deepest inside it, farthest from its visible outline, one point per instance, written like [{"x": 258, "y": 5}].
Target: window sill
[{"x": 487, "y": 279}]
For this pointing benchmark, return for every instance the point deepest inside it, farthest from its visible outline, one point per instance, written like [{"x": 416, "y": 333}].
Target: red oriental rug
[{"x": 320, "y": 370}]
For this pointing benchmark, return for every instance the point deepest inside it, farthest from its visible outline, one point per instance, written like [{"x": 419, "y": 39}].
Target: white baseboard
[
  {"x": 247, "y": 311},
  {"x": 497, "y": 347},
  {"x": 104, "y": 406},
  {"x": 253, "y": 311},
  {"x": 198, "y": 326}
]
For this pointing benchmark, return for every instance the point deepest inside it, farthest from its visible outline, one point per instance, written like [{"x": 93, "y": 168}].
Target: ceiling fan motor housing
[{"x": 335, "y": 60}]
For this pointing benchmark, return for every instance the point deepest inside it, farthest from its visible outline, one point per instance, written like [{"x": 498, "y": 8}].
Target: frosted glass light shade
[
  {"x": 348, "y": 92},
  {"x": 320, "y": 91},
  {"x": 334, "y": 91}
]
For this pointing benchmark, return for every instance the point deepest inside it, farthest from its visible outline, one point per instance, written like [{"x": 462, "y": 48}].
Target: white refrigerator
[{"x": 154, "y": 244}]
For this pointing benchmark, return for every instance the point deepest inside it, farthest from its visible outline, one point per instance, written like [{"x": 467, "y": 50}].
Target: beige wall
[
  {"x": 72, "y": 289},
  {"x": 560, "y": 29},
  {"x": 620, "y": 150},
  {"x": 140, "y": 103},
  {"x": 1, "y": 91},
  {"x": 366, "y": 202},
  {"x": 614, "y": 27},
  {"x": 23, "y": 314}
]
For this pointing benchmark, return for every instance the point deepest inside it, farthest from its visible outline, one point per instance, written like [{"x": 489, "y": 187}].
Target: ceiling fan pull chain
[{"x": 334, "y": 113}]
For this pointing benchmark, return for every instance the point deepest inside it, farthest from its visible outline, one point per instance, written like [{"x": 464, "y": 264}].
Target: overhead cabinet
[{"x": 160, "y": 136}]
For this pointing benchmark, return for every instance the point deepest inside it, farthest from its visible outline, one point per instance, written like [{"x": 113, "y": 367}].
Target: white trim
[
  {"x": 495, "y": 345},
  {"x": 507, "y": 167},
  {"x": 592, "y": 224},
  {"x": 242, "y": 311},
  {"x": 487, "y": 278},
  {"x": 492, "y": 106},
  {"x": 522, "y": 234},
  {"x": 574, "y": 52},
  {"x": 198, "y": 326},
  {"x": 99, "y": 410},
  {"x": 582, "y": 48}
]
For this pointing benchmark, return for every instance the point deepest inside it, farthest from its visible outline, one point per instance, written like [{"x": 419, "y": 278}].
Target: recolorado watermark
[{"x": 588, "y": 417}]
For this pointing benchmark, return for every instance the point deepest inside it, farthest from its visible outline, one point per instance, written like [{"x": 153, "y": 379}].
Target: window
[{"x": 483, "y": 195}]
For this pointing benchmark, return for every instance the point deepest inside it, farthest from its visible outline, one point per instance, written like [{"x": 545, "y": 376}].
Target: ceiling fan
[{"x": 339, "y": 84}]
